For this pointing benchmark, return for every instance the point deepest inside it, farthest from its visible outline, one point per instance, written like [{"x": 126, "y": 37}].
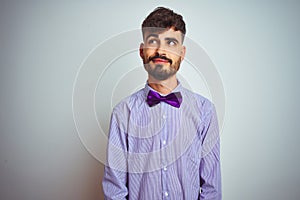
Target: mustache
[{"x": 157, "y": 56}]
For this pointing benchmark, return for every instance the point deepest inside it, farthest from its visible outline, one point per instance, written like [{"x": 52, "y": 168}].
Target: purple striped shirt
[{"x": 163, "y": 152}]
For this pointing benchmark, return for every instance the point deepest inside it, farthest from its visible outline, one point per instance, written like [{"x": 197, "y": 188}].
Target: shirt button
[
  {"x": 165, "y": 168},
  {"x": 166, "y": 194},
  {"x": 164, "y": 116},
  {"x": 164, "y": 142}
]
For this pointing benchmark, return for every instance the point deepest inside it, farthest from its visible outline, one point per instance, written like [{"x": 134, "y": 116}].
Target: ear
[
  {"x": 142, "y": 50},
  {"x": 183, "y": 50}
]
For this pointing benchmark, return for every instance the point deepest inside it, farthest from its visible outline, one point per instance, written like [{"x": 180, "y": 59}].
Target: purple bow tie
[{"x": 173, "y": 99}]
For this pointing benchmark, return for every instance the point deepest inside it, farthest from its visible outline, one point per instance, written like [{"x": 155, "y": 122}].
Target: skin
[{"x": 170, "y": 52}]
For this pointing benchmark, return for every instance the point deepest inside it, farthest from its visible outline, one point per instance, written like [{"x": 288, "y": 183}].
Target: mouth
[{"x": 160, "y": 61}]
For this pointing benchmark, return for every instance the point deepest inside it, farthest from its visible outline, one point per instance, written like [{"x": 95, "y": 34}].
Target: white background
[{"x": 254, "y": 45}]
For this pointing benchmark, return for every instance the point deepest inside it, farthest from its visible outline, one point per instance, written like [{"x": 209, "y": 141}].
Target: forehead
[{"x": 163, "y": 33}]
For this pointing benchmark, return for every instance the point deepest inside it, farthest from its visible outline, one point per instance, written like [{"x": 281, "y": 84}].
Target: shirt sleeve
[
  {"x": 210, "y": 173},
  {"x": 115, "y": 173}
]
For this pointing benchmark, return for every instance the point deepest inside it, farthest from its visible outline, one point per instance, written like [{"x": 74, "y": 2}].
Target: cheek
[
  {"x": 149, "y": 52},
  {"x": 174, "y": 54},
  {"x": 175, "y": 58}
]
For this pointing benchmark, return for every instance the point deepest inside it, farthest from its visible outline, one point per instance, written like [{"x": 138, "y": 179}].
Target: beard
[{"x": 161, "y": 72}]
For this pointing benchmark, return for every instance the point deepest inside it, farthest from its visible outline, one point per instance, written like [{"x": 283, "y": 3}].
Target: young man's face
[{"x": 162, "y": 53}]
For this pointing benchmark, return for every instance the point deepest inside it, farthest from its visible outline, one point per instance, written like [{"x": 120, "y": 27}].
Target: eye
[
  {"x": 152, "y": 41},
  {"x": 171, "y": 43}
]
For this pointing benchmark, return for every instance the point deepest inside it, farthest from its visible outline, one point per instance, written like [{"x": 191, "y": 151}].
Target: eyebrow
[
  {"x": 152, "y": 35},
  {"x": 172, "y": 39},
  {"x": 156, "y": 36}
]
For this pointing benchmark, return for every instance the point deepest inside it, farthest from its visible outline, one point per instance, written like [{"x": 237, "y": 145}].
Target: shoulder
[
  {"x": 128, "y": 103},
  {"x": 128, "y": 107},
  {"x": 195, "y": 98},
  {"x": 197, "y": 101}
]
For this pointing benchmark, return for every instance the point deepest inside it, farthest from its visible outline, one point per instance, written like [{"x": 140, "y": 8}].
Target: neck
[{"x": 164, "y": 86}]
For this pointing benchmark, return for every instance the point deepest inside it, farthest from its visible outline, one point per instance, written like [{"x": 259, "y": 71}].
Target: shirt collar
[{"x": 147, "y": 88}]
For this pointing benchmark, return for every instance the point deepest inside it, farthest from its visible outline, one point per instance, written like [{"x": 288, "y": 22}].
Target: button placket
[
  {"x": 166, "y": 194},
  {"x": 163, "y": 153}
]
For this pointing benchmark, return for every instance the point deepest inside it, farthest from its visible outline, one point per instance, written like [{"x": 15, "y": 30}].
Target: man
[{"x": 164, "y": 140}]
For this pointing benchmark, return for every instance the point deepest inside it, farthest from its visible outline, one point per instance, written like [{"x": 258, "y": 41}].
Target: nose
[{"x": 161, "y": 49}]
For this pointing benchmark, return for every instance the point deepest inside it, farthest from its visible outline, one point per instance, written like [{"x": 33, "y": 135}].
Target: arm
[
  {"x": 115, "y": 175},
  {"x": 210, "y": 173}
]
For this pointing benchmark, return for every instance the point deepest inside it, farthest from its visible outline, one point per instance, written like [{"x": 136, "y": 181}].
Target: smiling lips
[{"x": 160, "y": 61}]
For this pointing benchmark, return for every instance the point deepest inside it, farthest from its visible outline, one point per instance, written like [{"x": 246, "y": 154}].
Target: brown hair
[{"x": 164, "y": 18}]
